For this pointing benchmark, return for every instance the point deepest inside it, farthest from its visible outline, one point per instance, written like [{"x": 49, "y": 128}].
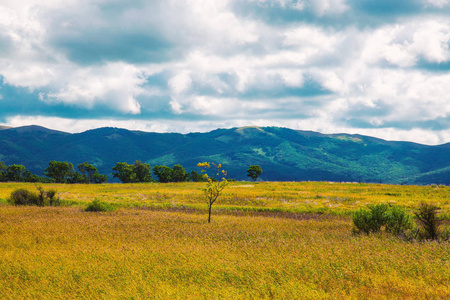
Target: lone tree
[
  {"x": 254, "y": 171},
  {"x": 214, "y": 187}
]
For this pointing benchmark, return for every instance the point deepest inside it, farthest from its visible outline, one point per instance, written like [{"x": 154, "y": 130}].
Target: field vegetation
[
  {"x": 290, "y": 197},
  {"x": 266, "y": 240}
]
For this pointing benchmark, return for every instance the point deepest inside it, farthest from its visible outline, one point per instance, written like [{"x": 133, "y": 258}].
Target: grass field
[
  {"x": 266, "y": 240},
  {"x": 291, "y": 197}
]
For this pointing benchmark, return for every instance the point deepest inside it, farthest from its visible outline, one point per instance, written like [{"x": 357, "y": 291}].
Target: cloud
[
  {"x": 438, "y": 3},
  {"x": 404, "y": 45},
  {"x": 114, "y": 84},
  {"x": 378, "y": 67}
]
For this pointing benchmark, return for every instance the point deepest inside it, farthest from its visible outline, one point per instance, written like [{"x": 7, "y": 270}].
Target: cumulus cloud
[
  {"x": 115, "y": 84},
  {"x": 405, "y": 44},
  {"x": 371, "y": 67}
]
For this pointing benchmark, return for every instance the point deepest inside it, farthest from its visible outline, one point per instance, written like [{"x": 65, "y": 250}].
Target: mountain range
[{"x": 283, "y": 154}]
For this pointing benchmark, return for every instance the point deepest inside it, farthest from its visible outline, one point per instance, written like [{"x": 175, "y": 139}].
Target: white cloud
[
  {"x": 438, "y": 3},
  {"x": 323, "y": 7},
  {"x": 238, "y": 69},
  {"x": 405, "y": 44},
  {"x": 180, "y": 83},
  {"x": 115, "y": 85},
  {"x": 320, "y": 7},
  {"x": 210, "y": 24},
  {"x": 286, "y": 4}
]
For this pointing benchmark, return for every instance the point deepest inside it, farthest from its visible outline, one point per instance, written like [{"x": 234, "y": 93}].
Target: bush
[
  {"x": 395, "y": 219},
  {"x": 25, "y": 197},
  {"x": 429, "y": 222},
  {"x": 99, "y": 206},
  {"x": 371, "y": 220},
  {"x": 398, "y": 220}
]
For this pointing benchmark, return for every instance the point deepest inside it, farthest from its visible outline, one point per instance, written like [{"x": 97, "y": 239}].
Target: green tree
[
  {"x": 143, "y": 172},
  {"x": 98, "y": 178},
  {"x": 254, "y": 171},
  {"x": 30, "y": 177},
  {"x": 76, "y": 177},
  {"x": 2, "y": 171},
  {"x": 124, "y": 172},
  {"x": 178, "y": 173},
  {"x": 213, "y": 187},
  {"x": 15, "y": 173},
  {"x": 196, "y": 177},
  {"x": 163, "y": 173},
  {"x": 90, "y": 174},
  {"x": 59, "y": 171}
]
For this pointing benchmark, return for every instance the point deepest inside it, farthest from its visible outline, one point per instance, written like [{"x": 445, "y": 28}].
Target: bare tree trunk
[{"x": 209, "y": 215}]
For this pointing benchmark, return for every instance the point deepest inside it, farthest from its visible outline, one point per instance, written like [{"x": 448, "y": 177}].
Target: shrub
[
  {"x": 398, "y": 220},
  {"x": 99, "y": 206},
  {"x": 362, "y": 221},
  {"x": 371, "y": 220},
  {"x": 25, "y": 197},
  {"x": 395, "y": 219},
  {"x": 429, "y": 222}
]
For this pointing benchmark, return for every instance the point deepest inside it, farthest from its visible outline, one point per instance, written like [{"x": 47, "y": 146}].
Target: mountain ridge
[{"x": 283, "y": 153}]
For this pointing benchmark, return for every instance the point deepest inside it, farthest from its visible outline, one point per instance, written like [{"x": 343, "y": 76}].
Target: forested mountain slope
[{"x": 283, "y": 154}]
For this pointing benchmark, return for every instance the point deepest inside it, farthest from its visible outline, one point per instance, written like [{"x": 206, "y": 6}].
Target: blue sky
[{"x": 373, "y": 67}]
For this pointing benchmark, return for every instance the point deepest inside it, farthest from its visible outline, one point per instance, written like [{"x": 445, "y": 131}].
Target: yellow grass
[
  {"x": 132, "y": 253},
  {"x": 309, "y": 197}
]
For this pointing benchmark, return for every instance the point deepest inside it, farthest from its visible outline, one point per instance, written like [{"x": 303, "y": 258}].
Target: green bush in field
[
  {"x": 99, "y": 206},
  {"x": 395, "y": 219},
  {"x": 398, "y": 220},
  {"x": 371, "y": 220},
  {"x": 26, "y": 197},
  {"x": 48, "y": 198},
  {"x": 23, "y": 197}
]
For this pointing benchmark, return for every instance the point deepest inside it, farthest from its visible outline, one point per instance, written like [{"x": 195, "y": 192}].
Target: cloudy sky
[{"x": 373, "y": 67}]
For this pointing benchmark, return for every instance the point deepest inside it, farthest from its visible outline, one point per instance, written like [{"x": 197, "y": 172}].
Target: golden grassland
[
  {"x": 143, "y": 253},
  {"x": 294, "y": 197}
]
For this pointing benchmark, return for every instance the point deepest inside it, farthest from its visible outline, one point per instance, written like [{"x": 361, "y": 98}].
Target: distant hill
[{"x": 283, "y": 154}]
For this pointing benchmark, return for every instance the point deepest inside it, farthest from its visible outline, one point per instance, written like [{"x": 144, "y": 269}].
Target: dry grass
[
  {"x": 65, "y": 253},
  {"x": 293, "y": 197},
  {"x": 137, "y": 254}
]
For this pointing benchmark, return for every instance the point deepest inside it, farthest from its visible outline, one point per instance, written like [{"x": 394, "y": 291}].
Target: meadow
[{"x": 267, "y": 240}]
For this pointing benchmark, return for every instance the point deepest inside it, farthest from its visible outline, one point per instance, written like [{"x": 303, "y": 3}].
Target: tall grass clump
[
  {"x": 99, "y": 206},
  {"x": 429, "y": 221},
  {"x": 43, "y": 198},
  {"x": 394, "y": 219}
]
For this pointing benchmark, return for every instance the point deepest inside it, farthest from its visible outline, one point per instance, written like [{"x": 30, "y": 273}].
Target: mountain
[{"x": 283, "y": 154}]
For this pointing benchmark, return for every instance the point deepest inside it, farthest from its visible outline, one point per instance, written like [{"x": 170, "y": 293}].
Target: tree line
[
  {"x": 57, "y": 172},
  {"x": 142, "y": 172},
  {"x": 64, "y": 172}
]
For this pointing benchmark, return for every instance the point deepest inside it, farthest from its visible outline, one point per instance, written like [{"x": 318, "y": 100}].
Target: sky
[{"x": 371, "y": 67}]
